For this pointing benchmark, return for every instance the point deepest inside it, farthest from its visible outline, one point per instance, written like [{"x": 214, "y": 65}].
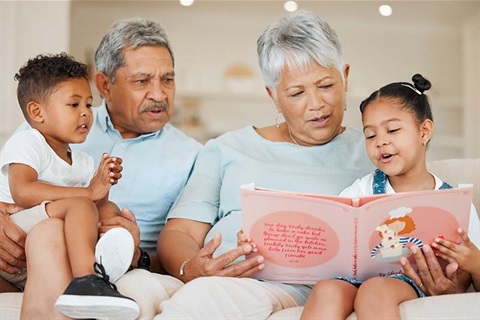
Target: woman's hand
[
  {"x": 243, "y": 239},
  {"x": 12, "y": 240},
  {"x": 431, "y": 278},
  {"x": 203, "y": 263}
]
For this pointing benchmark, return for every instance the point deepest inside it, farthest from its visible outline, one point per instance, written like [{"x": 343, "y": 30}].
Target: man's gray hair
[
  {"x": 124, "y": 34},
  {"x": 296, "y": 41}
]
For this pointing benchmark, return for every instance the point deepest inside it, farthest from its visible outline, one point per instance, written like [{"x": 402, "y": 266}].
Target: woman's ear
[
  {"x": 426, "y": 130},
  {"x": 272, "y": 96},
  {"x": 103, "y": 84},
  {"x": 35, "y": 112}
]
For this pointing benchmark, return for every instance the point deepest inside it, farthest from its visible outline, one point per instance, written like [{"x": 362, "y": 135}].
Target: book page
[
  {"x": 303, "y": 239},
  {"x": 388, "y": 226}
]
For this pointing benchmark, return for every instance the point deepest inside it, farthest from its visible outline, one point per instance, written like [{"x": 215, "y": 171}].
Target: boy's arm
[{"x": 27, "y": 191}]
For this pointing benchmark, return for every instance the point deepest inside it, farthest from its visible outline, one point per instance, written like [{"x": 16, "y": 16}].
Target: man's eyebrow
[
  {"x": 140, "y": 74},
  {"x": 169, "y": 74}
]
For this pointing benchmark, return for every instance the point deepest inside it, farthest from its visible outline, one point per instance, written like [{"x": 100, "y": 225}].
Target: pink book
[{"x": 309, "y": 237}]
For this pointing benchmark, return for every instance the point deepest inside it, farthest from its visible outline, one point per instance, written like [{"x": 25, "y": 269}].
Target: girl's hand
[
  {"x": 243, "y": 239},
  {"x": 107, "y": 175},
  {"x": 465, "y": 254}
]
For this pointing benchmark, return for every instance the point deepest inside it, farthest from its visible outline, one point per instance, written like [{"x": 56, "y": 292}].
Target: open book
[{"x": 309, "y": 237}]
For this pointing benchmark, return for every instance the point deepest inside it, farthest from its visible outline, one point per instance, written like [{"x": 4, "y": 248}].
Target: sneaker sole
[
  {"x": 97, "y": 307},
  {"x": 114, "y": 250}
]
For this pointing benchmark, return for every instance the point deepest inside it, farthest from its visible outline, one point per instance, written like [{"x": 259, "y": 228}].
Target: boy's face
[{"x": 67, "y": 114}]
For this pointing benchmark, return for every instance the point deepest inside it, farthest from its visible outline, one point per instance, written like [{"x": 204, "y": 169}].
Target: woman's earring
[{"x": 279, "y": 119}]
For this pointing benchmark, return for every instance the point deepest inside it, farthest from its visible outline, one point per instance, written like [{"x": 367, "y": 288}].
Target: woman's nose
[{"x": 315, "y": 102}]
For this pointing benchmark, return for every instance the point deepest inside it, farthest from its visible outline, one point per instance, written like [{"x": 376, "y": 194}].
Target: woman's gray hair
[
  {"x": 295, "y": 41},
  {"x": 128, "y": 33}
]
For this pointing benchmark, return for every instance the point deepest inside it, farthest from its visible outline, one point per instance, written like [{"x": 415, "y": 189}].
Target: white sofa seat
[
  {"x": 458, "y": 306},
  {"x": 452, "y": 306}
]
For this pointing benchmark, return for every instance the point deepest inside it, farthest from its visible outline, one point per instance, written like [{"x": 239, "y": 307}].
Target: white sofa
[{"x": 458, "y": 306}]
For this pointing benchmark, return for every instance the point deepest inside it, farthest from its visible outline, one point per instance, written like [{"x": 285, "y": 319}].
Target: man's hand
[
  {"x": 12, "y": 241},
  {"x": 203, "y": 264},
  {"x": 126, "y": 220},
  {"x": 431, "y": 278}
]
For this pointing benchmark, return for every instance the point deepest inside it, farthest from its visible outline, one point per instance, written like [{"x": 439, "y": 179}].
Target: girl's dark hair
[{"x": 410, "y": 96}]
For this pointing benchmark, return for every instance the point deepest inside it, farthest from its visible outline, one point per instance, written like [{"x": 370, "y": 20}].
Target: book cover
[{"x": 309, "y": 237}]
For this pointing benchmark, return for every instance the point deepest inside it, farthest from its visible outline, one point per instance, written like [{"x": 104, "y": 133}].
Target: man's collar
[
  {"x": 104, "y": 117},
  {"x": 106, "y": 123}
]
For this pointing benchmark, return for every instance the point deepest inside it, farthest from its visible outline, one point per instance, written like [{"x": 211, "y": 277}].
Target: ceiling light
[
  {"x": 290, "y": 6},
  {"x": 186, "y": 3},
  {"x": 385, "y": 10}
]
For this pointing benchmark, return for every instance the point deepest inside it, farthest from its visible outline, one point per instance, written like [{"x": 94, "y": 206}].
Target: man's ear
[
  {"x": 346, "y": 72},
  {"x": 103, "y": 84},
  {"x": 35, "y": 112},
  {"x": 426, "y": 129}
]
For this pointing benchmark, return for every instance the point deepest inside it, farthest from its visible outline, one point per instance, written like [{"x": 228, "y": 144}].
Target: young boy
[{"x": 41, "y": 173}]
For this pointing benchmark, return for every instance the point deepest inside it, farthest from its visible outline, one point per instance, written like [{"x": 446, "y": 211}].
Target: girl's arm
[{"x": 465, "y": 254}]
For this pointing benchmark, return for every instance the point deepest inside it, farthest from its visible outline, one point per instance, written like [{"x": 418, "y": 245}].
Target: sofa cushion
[
  {"x": 455, "y": 171},
  {"x": 10, "y": 304},
  {"x": 452, "y": 306}
]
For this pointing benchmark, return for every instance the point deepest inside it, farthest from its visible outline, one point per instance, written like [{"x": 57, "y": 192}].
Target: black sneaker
[{"x": 93, "y": 296}]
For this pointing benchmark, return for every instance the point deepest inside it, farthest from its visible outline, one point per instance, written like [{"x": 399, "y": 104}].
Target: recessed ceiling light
[
  {"x": 290, "y": 6},
  {"x": 385, "y": 10},
  {"x": 186, "y": 3}
]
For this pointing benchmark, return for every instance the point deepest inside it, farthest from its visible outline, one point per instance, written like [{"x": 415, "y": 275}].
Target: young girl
[{"x": 398, "y": 124}]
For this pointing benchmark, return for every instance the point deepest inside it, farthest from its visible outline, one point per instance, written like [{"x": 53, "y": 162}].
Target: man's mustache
[{"x": 154, "y": 106}]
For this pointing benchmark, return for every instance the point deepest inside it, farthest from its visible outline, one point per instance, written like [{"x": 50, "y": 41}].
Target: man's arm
[{"x": 12, "y": 240}]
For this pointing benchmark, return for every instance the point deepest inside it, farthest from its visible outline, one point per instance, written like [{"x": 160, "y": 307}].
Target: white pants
[
  {"x": 225, "y": 298},
  {"x": 148, "y": 290}
]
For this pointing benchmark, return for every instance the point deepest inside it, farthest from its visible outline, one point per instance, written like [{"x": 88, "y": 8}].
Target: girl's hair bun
[{"x": 420, "y": 83}]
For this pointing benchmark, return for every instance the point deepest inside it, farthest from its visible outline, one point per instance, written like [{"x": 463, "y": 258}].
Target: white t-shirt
[
  {"x": 29, "y": 147},
  {"x": 364, "y": 187}
]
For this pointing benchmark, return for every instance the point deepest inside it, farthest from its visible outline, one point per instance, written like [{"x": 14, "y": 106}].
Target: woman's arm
[{"x": 180, "y": 246}]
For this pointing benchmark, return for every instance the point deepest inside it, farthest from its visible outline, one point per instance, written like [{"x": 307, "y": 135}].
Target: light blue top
[
  {"x": 212, "y": 194},
  {"x": 156, "y": 167}
]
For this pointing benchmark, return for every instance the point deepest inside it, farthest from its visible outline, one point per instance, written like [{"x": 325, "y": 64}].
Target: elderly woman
[{"x": 302, "y": 63}]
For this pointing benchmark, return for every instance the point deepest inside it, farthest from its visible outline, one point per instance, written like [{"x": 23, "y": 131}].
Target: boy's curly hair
[{"x": 38, "y": 78}]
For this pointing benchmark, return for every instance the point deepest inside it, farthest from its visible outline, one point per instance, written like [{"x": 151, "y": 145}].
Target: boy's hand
[
  {"x": 107, "y": 175},
  {"x": 464, "y": 254},
  {"x": 243, "y": 239}
]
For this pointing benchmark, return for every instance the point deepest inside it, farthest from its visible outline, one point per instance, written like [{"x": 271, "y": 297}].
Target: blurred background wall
[{"x": 219, "y": 86}]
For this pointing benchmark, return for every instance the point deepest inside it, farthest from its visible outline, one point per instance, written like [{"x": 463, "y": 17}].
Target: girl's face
[
  {"x": 396, "y": 143},
  {"x": 312, "y": 102}
]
